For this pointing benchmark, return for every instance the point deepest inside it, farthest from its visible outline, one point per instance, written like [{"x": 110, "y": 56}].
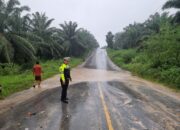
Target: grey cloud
[{"x": 98, "y": 16}]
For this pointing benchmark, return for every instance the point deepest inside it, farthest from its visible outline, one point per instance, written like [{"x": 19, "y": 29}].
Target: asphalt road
[{"x": 98, "y": 105}]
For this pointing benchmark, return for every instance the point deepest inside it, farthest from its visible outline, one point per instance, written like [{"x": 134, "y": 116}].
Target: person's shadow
[{"x": 65, "y": 118}]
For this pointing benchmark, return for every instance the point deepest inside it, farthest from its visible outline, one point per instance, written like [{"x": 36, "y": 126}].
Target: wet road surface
[{"x": 115, "y": 104}]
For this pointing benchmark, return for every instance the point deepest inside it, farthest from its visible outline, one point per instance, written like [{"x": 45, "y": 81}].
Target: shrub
[{"x": 9, "y": 69}]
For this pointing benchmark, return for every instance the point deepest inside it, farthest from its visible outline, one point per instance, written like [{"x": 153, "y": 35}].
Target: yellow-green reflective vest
[{"x": 62, "y": 69}]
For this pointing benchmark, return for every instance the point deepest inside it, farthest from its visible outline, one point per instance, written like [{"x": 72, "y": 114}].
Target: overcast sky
[{"x": 97, "y": 16}]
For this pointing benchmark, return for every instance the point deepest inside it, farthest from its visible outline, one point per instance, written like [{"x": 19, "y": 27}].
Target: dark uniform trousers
[{"x": 64, "y": 89}]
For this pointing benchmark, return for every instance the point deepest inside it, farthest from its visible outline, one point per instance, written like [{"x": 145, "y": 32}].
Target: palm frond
[
  {"x": 48, "y": 23},
  {"x": 38, "y": 45},
  {"x": 24, "y": 8},
  {"x": 2, "y": 5},
  {"x": 31, "y": 36},
  {"x": 6, "y": 50},
  {"x": 171, "y": 4},
  {"x": 176, "y": 18},
  {"x": 11, "y": 4},
  {"x": 23, "y": 46}
]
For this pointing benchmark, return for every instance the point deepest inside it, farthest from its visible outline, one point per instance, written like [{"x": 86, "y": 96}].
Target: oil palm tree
[
  {"x": 72, "y": 44},
  {"x": 173, "y": 4},
  {"x": 13, "y": 47},
  {"x": 48, "y": 47}
]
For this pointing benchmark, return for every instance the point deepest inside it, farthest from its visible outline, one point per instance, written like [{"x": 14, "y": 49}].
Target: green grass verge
[
  {"x": 18, "y": 82},
  {"x": 140, "y": 65}
]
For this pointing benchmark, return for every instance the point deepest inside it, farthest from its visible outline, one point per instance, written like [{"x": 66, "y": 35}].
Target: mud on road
[{"x": 102, "y": 97}]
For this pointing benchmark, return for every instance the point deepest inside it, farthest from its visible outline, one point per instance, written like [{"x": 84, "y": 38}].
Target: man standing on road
[
  {"x": 37, "y": 72},
  {"x": 65, "y": 77}
]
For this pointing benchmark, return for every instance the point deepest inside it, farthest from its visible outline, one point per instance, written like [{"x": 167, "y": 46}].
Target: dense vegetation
[
  {"x": 151, "y": 49},
  {"x": 25, "y": 38}
]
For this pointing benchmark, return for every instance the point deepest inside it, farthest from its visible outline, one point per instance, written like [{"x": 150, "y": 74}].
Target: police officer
[{"x": 65, "y": 77}]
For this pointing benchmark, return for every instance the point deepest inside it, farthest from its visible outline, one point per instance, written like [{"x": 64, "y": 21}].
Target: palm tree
[
  {"x": 13, "y": 47},
  {"x": 48, "y": 47},
  {"x": 72, "y": 44},
  {"x": 173, "y": 4},
  {"x": 41, "y": 24}
]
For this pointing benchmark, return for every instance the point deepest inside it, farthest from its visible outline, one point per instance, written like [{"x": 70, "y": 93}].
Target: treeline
[
  {"x": 26, "y": 37},
  {"x": 152, "y": 48}
]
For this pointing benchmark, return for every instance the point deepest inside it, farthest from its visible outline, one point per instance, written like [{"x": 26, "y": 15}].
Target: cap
[{"x": 67, "y": 58}]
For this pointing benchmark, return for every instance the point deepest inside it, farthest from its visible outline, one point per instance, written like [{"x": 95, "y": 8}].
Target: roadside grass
[
  {"x": 17, "y": 82},
  {"x": 138, "y": 64}
]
